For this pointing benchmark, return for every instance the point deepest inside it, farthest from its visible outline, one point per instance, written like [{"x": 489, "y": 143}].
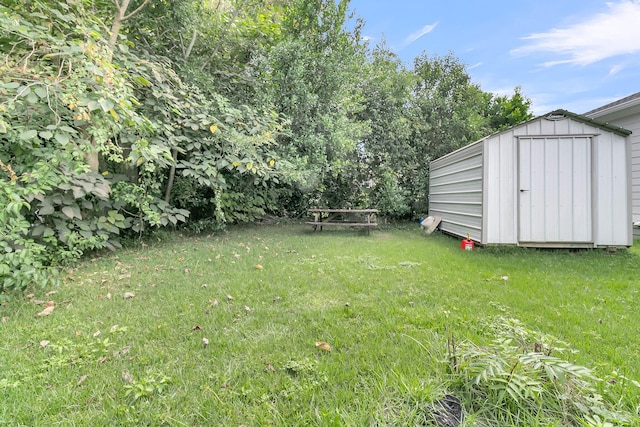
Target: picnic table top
[{"x": 345, "y": 210}]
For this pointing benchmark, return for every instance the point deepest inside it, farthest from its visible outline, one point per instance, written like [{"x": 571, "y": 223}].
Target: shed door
[{"x": 555, "y": 189}]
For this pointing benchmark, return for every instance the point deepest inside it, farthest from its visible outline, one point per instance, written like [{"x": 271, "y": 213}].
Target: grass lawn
[{"x": 262, "y": 297}]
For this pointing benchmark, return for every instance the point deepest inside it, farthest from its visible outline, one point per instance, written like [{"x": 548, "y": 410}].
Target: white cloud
[
  {"x": 476, "y": 65},
  {"x": 613, "y": 33},
  {"x": 616, "y": 69},
  {"x": 421, "y": 32}
]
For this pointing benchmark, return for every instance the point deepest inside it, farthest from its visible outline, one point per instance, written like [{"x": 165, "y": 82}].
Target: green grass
[{"x": 386, "y": 303}]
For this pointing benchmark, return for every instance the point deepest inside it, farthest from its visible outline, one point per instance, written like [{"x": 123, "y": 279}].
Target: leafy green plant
[
  {"x": 390, "y": 198},
  {"x": 23, "y": 261},
  {"x": 519, "y": 379},
  {"x": 153, "y": 384}
]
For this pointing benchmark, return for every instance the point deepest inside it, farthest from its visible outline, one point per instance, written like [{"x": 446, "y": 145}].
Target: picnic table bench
[{"x": 365, "y": 218}]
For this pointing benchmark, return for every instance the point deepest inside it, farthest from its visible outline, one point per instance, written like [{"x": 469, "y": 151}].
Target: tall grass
[{"x": 387, "y": 304}]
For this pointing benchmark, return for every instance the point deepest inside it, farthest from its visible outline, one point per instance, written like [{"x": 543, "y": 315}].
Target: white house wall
[{"x": 455, "y": 191}]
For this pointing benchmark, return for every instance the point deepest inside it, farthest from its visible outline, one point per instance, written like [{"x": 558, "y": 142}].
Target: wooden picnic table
[{"x": 365, "y": 218}]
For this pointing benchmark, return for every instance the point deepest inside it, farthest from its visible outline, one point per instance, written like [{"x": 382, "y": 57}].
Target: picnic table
[{"x": 365, "y": 218}]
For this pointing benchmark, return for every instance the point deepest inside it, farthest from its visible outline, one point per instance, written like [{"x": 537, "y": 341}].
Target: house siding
[{"x": 629, "y": 120}]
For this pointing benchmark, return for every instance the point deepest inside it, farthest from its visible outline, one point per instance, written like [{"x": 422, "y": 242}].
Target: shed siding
[
  {"x": 500, "y": 219},
  {"x": 611, "y": 190},
  {"x": 633, "y": 124},
  {"x": 576, "y": 178},
  {"x": 555, "y": 181},
  {"x": 455, "y": 191}
]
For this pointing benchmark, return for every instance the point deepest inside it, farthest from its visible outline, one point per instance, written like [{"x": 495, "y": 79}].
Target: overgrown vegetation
[
  {"x": 228, "y": 329},
  {"x": 120, "y": 118}
]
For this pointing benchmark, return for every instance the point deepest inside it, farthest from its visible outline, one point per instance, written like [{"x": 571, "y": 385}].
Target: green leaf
[
  {"x": 143, "y": 81},
  {"x": 68, "y": 129},
  {"x": 46, "y": 135},
  {"x": 40, "y": 91},
  {"x": 105, "y": 104},
  {"x": 62, "y": 138},
  {"x": 46, "y": 210},
  {"x": 68, "y": 211},
  {"x": 32, "y": 98},
  {"x": 37, "y": 230},
  {"x": 29, "y": 134},
  {"x": 93, "y": 105}
]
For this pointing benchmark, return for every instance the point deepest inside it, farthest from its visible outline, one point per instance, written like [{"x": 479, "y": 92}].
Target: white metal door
[{"x": 555, "y": 189}]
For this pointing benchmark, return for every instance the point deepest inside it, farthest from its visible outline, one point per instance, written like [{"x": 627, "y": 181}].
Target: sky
[{"x": 571, "y": 54}]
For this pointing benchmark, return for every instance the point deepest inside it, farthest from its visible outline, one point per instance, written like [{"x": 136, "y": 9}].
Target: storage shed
[{"x": 559, "y": 180}]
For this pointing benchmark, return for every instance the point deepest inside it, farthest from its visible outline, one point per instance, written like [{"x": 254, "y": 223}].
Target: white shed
[
  {"x": 625, "y": 112},
  {"x": 559, "y": 180}
]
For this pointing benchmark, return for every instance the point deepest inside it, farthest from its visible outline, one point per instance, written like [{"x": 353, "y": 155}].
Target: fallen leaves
[
  {"x": 128, "y": 295},
  {"x": 82, "y": 378},
  {"x": 323, "y": 346},
  {"x": 259, "y": 267},
  {"x": 122, "y": 352},
  {"x": 205, "y": 342},
  {"x": 44, "y": 343},
  {"x": 47, "y": 311}
]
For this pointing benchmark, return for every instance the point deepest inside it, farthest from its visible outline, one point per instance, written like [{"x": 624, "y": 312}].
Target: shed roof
[
  {"x": 585, "y": 119},
  {"x": 627, "y": 101},
  {"x": 555, "y": 114}
]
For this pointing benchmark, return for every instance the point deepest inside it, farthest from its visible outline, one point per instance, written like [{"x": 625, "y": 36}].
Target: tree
[
  {"x": 387, "y": 153},
  {"x": 312, "y": 78},
  {"x": 507, "y": 111}
]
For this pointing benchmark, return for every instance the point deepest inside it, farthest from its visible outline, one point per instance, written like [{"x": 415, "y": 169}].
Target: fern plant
[{"x": 516, "y": 380}]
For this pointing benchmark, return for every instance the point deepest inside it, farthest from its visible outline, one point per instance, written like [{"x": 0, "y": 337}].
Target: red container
[{"x": 467, "y": 244}]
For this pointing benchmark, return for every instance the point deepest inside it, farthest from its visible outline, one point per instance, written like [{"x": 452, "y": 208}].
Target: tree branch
[
  {"x": 193, "y": 41},
  {"x": 124, "y": 18}
]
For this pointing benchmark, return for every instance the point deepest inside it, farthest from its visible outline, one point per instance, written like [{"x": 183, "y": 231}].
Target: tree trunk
[
  {"x": 93, "y": 158},
  {"x": 172, "y": 174},
  {"x": 172, "y": 171}
]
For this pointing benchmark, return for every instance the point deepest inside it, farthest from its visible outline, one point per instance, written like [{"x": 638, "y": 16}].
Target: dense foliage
[{"x": 118, "y": 117}]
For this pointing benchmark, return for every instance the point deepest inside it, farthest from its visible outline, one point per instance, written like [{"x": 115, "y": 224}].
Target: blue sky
[{"x": 570, "y": 54}]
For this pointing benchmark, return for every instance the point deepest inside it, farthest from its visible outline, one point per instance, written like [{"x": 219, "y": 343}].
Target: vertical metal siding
[
  {"x": 455, "y": 191},
  {"x": 555, "y": 190},
  {"x": 613, "y": 215},
  {"x": 500, "y": 179},
  {"x": 632, "y": 122},
  {"x": 579, "y": 198}
]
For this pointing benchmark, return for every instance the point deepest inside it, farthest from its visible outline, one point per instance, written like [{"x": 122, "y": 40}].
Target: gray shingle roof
[{"x": 614, "y": 103}]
